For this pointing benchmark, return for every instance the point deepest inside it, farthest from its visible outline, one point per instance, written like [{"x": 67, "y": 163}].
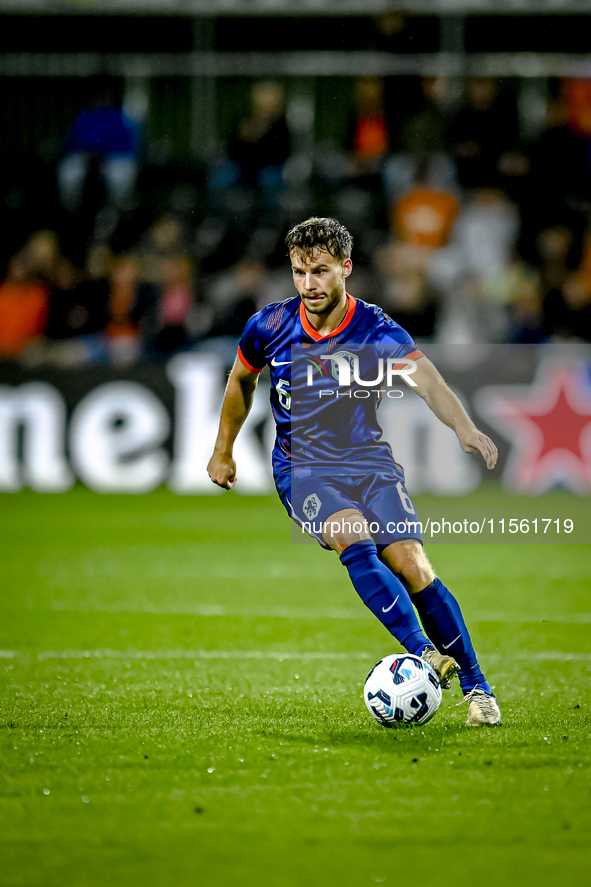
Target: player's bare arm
[
  {"x": 440, "y": 398},
  {"x": 235, "y": 408}
]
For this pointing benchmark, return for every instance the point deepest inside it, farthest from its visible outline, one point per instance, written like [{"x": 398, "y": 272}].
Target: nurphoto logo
[{"x": 347, "y": 364}]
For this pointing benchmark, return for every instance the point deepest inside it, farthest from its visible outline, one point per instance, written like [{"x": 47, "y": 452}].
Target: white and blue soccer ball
[{"x": 402, "y": 689}]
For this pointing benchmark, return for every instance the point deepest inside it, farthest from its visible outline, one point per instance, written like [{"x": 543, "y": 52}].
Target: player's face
[{"x": 320, "y": 280}]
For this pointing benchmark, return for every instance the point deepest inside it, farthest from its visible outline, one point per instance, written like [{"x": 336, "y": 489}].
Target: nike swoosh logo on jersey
[
  {"x": 447, "y": 646},
  {"x": 279, "y": 363},
  {"x": 387, "y": 609}
]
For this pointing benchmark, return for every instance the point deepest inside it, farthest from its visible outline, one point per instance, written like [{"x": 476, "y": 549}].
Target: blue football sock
[
  {"x": 384, "y": 595},
  {"x": 443, "y": 621}
]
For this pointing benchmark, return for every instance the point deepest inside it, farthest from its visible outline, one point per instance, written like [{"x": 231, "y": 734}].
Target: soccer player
[{"x": 329, "y": 461}]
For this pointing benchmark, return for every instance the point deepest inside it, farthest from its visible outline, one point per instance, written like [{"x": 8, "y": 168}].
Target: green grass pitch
[{"x": 181, "y": 705}]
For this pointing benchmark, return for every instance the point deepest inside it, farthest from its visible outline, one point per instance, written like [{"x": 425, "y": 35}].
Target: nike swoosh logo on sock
[
  {"x": 387, "y": 609},
  {"x": 447, "y": 646}
]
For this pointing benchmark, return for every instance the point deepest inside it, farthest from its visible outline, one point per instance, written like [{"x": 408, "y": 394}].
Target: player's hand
[
  {"x": 476, "y": 442},
  {"x": 222, "y": 471}
]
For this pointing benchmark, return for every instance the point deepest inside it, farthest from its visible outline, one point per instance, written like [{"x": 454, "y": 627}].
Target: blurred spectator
[
  {"x": 353, "y": 170},
  {"x": 161, "y": 308},
  {"x": 23, "y": 307},
  {"x": 234, "y": 296},
  {"x": 585, "y": 261},
  {"x": 73, "y": 319},
  {"x": 403, "y": 289},
  {"x": 424, "y": 216},
  {"x": 425, "y": 132},
  {"x": 163, "y": 240},
  {"x": 516, "y": 288},
  {"x": 260, "y": 144},
  {"x": 554, "y": 246},
  {"x": 42, "y": 255},
  {"x": 81, "y": 313},
  {"x": 258, "y": 147},
  {"x": 560, "y": 179},
  {"x": 567, "y": 311},
  {"x": 124, "y": 343},
  {"x": 177, "y": 292},
  {"x": 165, "y": 291},
  {"x": 368, "y": 138},
  {"x": 577, "y": 301},
  {"x": 484, "y": 137},
  {"x": 565, "y": 291},
  {"x": 481, "y": 249},
  {"x": 92, "y": 294},
  {"x": 62, "y": 300},
  {"x": 423, "y": 142},
  {"x": 576, "y": 93},
  {"x": 104, "y": 134},
  {"x": 486, "y": 232},
  {"x": 418, "y": 183}
]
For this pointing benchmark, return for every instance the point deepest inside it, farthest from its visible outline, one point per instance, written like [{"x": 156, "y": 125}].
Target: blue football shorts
[{"x": 382, "y": 499}]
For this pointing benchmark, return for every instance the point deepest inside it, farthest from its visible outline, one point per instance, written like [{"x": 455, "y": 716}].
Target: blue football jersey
[{"x": 325, "y": 390}]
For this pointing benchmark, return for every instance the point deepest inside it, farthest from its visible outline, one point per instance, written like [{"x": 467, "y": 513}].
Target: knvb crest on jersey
[
  {"x": 311, "y": 506},
  {"x": 548, "y": 424}
]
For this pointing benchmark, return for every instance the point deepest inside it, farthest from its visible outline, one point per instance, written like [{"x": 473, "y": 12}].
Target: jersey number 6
[
  {"x": 282, "y": 389},
  {"x": 404, "y": 498}
]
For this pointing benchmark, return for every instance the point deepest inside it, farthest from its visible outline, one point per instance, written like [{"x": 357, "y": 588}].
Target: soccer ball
[{"x": 402, "y": 689}]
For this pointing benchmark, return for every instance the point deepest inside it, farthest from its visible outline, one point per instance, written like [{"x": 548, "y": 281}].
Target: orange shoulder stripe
[
  {"x": 414, "y": 355},
  {"x": 246, "y": 364}
]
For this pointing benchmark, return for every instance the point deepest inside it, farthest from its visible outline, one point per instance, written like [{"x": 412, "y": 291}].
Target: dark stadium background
[
  {"x": 488, "y": 103},
  {"x": 187, "y": 77}
]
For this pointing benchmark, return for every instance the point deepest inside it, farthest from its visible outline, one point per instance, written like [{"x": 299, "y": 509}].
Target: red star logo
[{"x": 549, "y": 426}]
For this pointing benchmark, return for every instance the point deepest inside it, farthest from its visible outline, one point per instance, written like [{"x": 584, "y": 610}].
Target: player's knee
[
  {"x": 410, "y": 563},
  {"x": 343, "y": 528}
]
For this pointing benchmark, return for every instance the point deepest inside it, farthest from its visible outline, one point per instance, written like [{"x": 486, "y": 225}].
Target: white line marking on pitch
[
  {"x": 198, "y": 654},
  {"x": 537, "y": 655},
  {"x": 212, "y": 610}
]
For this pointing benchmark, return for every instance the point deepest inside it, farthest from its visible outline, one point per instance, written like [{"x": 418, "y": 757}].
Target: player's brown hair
[{"x": 315, "y": 233}]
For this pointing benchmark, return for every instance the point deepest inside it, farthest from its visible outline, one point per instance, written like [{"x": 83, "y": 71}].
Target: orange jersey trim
[
  {"x": 414, "y": 355},
  {"x": 246, "y": 364},
  {"x": 314, "y": 334}
]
